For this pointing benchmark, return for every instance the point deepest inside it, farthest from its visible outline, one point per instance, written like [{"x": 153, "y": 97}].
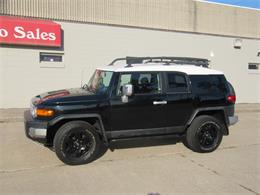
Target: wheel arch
[
  {"x": 93, "y": 119},
  {"x": 217, "y": 112}
]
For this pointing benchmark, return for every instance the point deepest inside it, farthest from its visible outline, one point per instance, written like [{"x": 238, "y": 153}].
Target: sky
[{"x": 243, "y": 3}]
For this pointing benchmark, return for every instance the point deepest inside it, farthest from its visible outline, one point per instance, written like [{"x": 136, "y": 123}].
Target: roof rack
[{"x": 163, "y": 59}]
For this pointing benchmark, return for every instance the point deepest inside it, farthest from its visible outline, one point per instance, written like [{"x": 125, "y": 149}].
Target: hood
[{"x": 60, "y": 94}]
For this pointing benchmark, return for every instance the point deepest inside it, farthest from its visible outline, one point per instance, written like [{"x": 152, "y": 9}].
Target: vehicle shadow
[{"x": 134, "y": 143}]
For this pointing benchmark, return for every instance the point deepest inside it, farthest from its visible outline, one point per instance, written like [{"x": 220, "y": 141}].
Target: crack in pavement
[
  {"x": 29, "y": 169},
  {"x": 248, "y": 189},
  {"x": 234, "y": 147},
  {"x": 218, "y": 174}
]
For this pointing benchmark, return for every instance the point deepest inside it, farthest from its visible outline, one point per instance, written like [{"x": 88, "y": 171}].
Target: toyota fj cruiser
[{"x": 146, "y": 97}]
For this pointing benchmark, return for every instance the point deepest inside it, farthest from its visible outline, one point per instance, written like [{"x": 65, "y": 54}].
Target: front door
[{"x": 145, "y": 109}]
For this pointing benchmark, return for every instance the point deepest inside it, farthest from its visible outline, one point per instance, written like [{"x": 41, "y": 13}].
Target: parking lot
[{"x": 143, "y": 167}]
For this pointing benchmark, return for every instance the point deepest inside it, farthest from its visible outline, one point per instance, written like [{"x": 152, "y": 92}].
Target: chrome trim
[
  {"x": 232, "y": 120},
  {"x": 37, "y": 133},
  {"x": 159, "y": 102}
]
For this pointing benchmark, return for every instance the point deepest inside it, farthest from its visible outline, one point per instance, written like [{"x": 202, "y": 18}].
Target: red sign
[{"x": 24, "y": 31}]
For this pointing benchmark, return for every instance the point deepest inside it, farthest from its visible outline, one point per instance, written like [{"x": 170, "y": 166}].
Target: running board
[{"x": 146, "y": 138}]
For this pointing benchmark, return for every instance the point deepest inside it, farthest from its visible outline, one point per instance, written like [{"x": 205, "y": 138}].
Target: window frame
[
  {"x": 166, "y": 83},
  {"x": 43, "y": 54},
  {"x": 252, "y": 69},
  {"x": 145, "y": 72}
]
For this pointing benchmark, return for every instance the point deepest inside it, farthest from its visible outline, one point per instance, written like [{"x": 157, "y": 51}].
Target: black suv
[{"x": 146, "y": 97}]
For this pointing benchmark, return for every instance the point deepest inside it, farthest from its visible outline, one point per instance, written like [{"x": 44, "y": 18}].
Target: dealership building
[{"x": 54, "y": 44}]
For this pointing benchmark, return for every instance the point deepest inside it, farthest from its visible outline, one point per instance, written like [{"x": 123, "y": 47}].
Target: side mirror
[{"x": 127, "y": 91}]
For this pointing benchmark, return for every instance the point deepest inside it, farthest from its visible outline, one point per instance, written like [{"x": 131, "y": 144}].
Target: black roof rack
[{"x": 163, "y": 59}]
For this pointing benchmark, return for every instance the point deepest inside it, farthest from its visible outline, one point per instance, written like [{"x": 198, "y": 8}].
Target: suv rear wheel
[
  {"x": 204, "y": 134},
  {"x": 76, "y": 143}
]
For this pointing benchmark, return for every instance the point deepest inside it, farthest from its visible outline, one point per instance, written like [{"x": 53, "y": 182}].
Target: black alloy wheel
[
  {"x": 76, "y": 143},
  {"x": 208, "y": 135},
  {"x": 204, "y": 134}
]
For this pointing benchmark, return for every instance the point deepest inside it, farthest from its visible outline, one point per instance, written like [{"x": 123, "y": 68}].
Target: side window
[
  {"x": 143, "y": 83},
  {"x": 213, "y": 84},
  {"x": 124, "y": 79},
  {"x": 177, "y": 83}
]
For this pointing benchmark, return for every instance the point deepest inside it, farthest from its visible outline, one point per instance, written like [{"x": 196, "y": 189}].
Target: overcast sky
[{"x": 244, "y": 3}]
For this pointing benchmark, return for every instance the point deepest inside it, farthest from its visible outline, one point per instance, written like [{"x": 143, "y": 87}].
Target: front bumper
[
  {"x": 232, "y": 120},
  {"x": 35, "y": 129}
]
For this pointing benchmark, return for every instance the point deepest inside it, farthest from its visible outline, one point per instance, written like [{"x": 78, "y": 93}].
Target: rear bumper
[
  {"x": 35, "y": 129},
  {"x": 232, "y": 120}
]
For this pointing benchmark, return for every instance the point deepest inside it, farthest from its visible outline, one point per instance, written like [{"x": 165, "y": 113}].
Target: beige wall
[
  {"x": 88, "y": 46},
  {"x": 176, "y": 15}
]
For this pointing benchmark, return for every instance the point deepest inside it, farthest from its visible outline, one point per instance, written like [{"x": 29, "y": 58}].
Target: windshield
[{"x": 100, "y": 81}]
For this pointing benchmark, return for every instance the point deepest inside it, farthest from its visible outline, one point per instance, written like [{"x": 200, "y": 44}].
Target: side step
[{"x": 146, "y": 139}]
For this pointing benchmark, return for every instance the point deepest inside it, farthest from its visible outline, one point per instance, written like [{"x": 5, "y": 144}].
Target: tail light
[{"x": 231, "y": 99}]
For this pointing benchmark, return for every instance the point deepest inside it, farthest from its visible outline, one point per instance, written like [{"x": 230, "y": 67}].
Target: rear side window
[
  {"x": 209, "y": 84},
  {"x": 177, "y": 83}
]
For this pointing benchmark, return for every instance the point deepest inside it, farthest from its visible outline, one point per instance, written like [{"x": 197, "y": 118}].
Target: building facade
[{"x": 93, "y": 33}]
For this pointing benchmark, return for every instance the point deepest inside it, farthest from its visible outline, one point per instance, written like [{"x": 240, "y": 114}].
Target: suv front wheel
[
  {"x": 76, "y": 143},
  {"x": 204, "y": 134}
]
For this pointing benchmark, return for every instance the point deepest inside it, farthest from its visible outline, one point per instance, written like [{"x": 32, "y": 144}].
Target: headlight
[
  {"x": 33, "y": 110},
  {"x": 42, "y": 112}
]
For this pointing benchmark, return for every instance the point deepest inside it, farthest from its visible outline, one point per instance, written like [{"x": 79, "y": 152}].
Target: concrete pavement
[{"x": 167, "y": 168}]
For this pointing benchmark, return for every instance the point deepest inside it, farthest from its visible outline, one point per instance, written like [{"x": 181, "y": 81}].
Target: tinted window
[
  {"x": 143, "y": 83},
  {"x": 177, "y": 82},
  {"x": 209, "y": 84}
]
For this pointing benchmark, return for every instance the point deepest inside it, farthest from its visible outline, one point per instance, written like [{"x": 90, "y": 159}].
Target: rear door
[{"x": 179, "y": 100}]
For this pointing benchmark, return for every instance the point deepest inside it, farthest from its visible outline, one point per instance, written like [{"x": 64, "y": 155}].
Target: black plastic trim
[
  {"x": 145, "y": 132},
  {"x": 80, "y": 116},
  {"x": 219, "y": 108}
]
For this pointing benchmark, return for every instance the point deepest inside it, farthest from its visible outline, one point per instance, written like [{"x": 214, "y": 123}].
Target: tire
[
  {"x": 204, "y": 134},
  {"x": 77, "y": 143}
]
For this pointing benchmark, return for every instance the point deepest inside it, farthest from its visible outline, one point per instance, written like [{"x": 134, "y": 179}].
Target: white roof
[{"x": 155, "y": 67}]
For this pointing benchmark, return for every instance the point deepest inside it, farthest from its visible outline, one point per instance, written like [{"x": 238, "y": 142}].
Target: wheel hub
[
  {"x": 208, "y": 135},
  {"x": 77, "y": 144}
]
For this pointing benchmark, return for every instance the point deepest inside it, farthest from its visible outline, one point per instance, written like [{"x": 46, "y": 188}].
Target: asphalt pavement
[{"x": 154, "y": 167}]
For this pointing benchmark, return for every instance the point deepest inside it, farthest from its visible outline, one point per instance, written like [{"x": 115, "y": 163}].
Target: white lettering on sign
[
  {"x": 52, "y": 36},
  {"x": 20, "y": 33},
  {"x": 3, "y": 32}
]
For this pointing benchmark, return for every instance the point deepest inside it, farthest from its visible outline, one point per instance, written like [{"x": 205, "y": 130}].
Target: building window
[
  {"x": 253, "y": 66},
  {"x": 50, "y": 57}
]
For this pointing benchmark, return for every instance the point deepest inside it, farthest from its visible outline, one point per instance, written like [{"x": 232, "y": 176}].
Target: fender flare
[
  {"x": 81, "y": 116},
  {"x": 220, "y": 108}
]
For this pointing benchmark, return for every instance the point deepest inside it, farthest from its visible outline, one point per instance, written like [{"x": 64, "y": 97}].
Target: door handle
[{"x": 159, "y": 102}]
